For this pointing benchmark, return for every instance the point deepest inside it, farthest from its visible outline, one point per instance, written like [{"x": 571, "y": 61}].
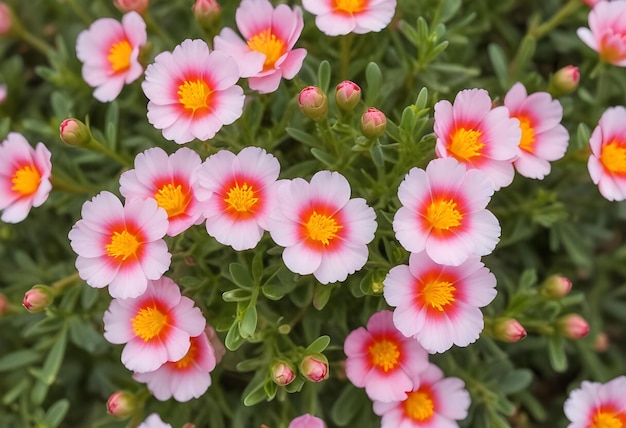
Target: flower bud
[
  {"x": 139, "y": 6},
  {"x": 307, "y": 421},
  {"x": 314, "y": 367},
  {"x": 4, "y": 304},
  {"x": 38, "y": 298},
  {"x": 348, "y": 95},
  {"x": 508, "y": 330},
  {"x": 74, "y": 132},
  {"x": 6, "y": 19},
  {"x": 283, "y": 373},
  {"x": 556, "y": 287},
  {"x": 564, "y": 81},
  {"x": 573, "y": 326},
  {"x": 121, "y": 404},
  {"x": 207, "y": 12},
  {"x": 313, "y": 103},
  {"x": 373, "y": 123}
]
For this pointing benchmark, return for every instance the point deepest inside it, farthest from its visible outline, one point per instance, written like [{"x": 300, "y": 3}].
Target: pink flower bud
[
  {"x": 373, "y": 123},
  {"x": 38, "y": 298},
  {"x": 314, "y": 367},
  {"x": 6, "y": 19},
  {"x": 508, "y": 330},
  {"x": 564, "y": 81},
  {"x": 592, "y": 3},
  {"x": 348, "y": 95},
  {"x": 313, "y": 103},
  {"x": 139, "y": 6},
  {"x": 282, "y": 373},
  {"x": 573, "y": 326},
  {"x": 121, "y": 404},
  {"x": 4, "y": 304},
  {"x": 556, "y": 287},
  {"x": 207, "y": 12},
  {"x": 307, "y": 421},
  {"x": 74, "y": 132}
]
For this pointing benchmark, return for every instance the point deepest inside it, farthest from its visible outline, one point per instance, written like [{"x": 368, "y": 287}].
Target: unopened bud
[
  {"x": 139, "y": 6},
  {"x": 313, "y": 103},
  {"x": 74, "y": 132},
  {"x": 4, "y": 304},
  {"x": 508, "y": 330},
  {"x": 348, "y": 95},
  {"x": 556, "y": 287},
  {"x": 6, "y": 19},
  {"x": 283, "y": 373},
  {"x": 564, "y": 81},
  {"x": 207, "y": 12},
  {"x": 314, "y": 367},
  {"x": 121, "y": 404},
  {"x": 307, "y": 421},
  {"x": 373, "y": 123},
  {"x": 573, "y": 326},
  {"x": 38, "y": 298}
]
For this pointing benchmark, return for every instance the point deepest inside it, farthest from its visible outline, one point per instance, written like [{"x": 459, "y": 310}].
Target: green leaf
[
  {"x": 318, "y": 345},
  {"x": 346, "y": 407},
  {"x": 240, "y": 275},
  {"x": 233, "y": 339},
  {"x": 377, "y": 155},
  {"x": 499, "y": 63},
  {"x": 84, "y": 335},
  {"x": 54, "y": 359},
  {"x": 17, "y": 390},
  {"x": 111, "y": 123},
  {"x": 323, "y": 76},
  {"x": 236, "y": 295},
  {"x": 303, "y": 137},
  {"x": 270, "y": 389},
  {"x": 89, "y": 297},
  {"x": 255, "y": 393},
  {"x": 422, "y": 99},
  {"x": 321, "y": 296},
  {"x": 277, "y": 290},
  {"x": 56, "y": 413},
  {"x": 324, "y": 157},
  {"x": 528, "y": 278},
  {"x": 515, "y": 381},
  {"x": 374, "y": 78},
  {"x": 247, "y": 326},
  {"x": 257, "y": 267},
  {"x": 17, "y": 359},
  {"x": 556, "y": 351}
]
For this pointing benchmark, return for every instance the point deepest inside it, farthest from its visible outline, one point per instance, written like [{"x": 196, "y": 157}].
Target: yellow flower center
[
  {"x": 608, "y": 419},
  {"x": 419, "y": 405},
  {"x": 269, "y": 45},
  {"x": 443, "y": 215},
  {"x": 322, "y": 228},
  {"x": 613, "y": 157},
  {"x": 172, "y": 199},
  {"x": 26, "y": 180},
  {"x": 466, "y": 144},
  {"x": 385, "y": 355},
  {"x": 438, "y": 294},
  {"x": 119, "y": 56},
  {"x": 241, "y": 198},
  {"x": 189, "y": 357},
  {"x": 149, "y": 323},
  {"x": 123, "y": 245},
  {"x": 528, "y": 134},
  {"x": 194, "y": 95},
  {"x": 350, "y": 6}
]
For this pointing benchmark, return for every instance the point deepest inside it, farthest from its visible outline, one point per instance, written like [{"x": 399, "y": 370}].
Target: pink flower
[
  {"x": 156, "y": 326},
  {"x": 109, "y": 52},
  {"x": 120, "y": 246},
  {"x": 434, "y": 402},
  {"x": 478, "y": 136},
  {"x": 154, "y": 421},
  {"x": 336, "y": 17},
  {"x": 439, "y": 304},
  {"x": 169, "y": 181},
  {"x": 597, "y": 405},
  {"x": 185, "y": 378},
  {"x": 192, "y": 92},
  {"x": 382, "y": 360},
  {"x": 607, "y": 163},
  {"x": 238, "y": 195},
  {"x": 606, "y": 33},
  {"x": 267, "y": 55},
  {"x": 443, "y": 212},
  {"x": 24, "y": 177},
  {"x": 307, "y": 421},
  {"x": 324, "y": 231},
  {"x": 543, "y": 139}
]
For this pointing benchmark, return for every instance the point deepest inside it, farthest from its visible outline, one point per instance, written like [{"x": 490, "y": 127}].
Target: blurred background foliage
[{"x": 57, "y": 370}]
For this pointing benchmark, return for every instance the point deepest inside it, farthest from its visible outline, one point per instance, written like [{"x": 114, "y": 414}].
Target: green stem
[
  {"x": 99, "y": 147},
  {"x": 31, "y": 39},
  {"x": 543, "y": 29},
  {"x": 156, "y": 29},
  {"x": 63, "y": 283},
  {"x": 81, "y": 12},
  {"x": 345, "y": 45},
  {"x": 63, "y": 185}
]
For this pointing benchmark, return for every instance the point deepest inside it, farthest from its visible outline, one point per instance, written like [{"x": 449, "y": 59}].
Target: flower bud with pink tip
[
  {"x": 207, "y": 12},
  {"x": 348, "y": 95},
  {"x": 313, "y": 103},
  {"x": 283, "y": 373},
  {"x": 6, "y": 19},
  {"x": 314, "y": 367},
  {"x": 564, "y": 81},
  {"x": 508, "y": 330},
  {"x": 373, "y": 123},
  {"x": 38, "y": 298},
  {"x": 573, "y": 326},
  {"x": 121, "y": 404},
  {"x": 74, "y": 132},
  {"x": 556, "y": 287},
  {"x": 139, "y": 6}
]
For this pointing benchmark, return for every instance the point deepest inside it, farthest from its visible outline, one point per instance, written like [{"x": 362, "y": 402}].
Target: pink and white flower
[
  {"x": 434, "y": 402},
  {"x": 24, "y": 177},
  {"x": 607, "y": 33},
  {"x": 185, "y": 378},
  {"x": 109, "y": 52},
  {"x": 156, "y": 326},
  {"x": 119, "y": 245},
  {"x": 169, "y": 181},
  {"x": 192, "y": 92},
  {"x": 443, "y": 212},
  {"x": 337, "y": 17},
  {"x": 597, "y": 405},
  {"x": 266, "y": 55},
  {"x": 544, "y": 139},
  {"x": 607, "y": 163},
  {"x": 324, "y": 231},
  {"x": 238, "y": 196},
  {"x": 307, "y": 421},
  {"x": 382, "y": 360},
  {"x": 439, "y": 305},
  {"x": 154, "y": 421},
  {"x": 477, "y": 135}
]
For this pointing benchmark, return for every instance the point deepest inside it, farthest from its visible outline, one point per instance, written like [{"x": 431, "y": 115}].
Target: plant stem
[{"x": 543, "y": 29}]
